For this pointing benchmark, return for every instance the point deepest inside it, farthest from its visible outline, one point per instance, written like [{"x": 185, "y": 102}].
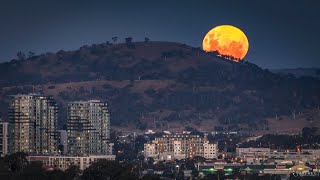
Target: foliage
[
  {"x": 308, "y": 139},
  {"x": 21, "y": 55},
  {"x": 129, "y": 43},
  {"x": 17, "y": 161},
  {"x": 114, "y": 39},
  {"x": 197, "y": 82},
  {"x": 104, "y": 169},
  {"x": 17, "y": 167},
  {"x": 31, "y": 54},
  {"x": 151, "y": 177},
  {"x": 72, "y": 172},
  {"x": 32, "y": 171},
  {"x": 128, "y": 40},
  {"x": 195, "y": 173},
  {"x": 56, "y": 175},
  {"x": 4, "y": 169}
]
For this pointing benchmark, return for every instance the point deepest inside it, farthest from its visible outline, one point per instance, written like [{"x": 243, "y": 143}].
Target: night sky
[{"x": 281, "y": 33}]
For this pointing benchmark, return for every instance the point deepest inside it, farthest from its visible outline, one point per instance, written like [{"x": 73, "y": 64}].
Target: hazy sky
[{"x": 281, "y": 33}]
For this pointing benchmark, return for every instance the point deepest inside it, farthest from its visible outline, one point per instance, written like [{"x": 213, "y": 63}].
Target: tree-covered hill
[{"x": 155, "y": 84}]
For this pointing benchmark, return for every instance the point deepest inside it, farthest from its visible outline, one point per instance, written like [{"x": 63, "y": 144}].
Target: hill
[
  {"x": 299, "y": 72},
  {"x": 162, "y": 85}
]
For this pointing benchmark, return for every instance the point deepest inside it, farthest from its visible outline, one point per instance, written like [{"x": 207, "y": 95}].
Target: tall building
[
  {"x": 3, "y": 138},
  {"x": 62, "y": 142},
  {"x": 89, "y": 128},
  {"x": 33, "y": 122},
  {"x": 180, "y": 146}
]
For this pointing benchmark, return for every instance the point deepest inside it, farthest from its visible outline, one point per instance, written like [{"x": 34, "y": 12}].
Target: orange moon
[{"x": 227, "y": 41}]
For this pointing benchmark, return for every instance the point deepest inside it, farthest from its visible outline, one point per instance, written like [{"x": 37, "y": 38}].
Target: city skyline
[
  {"x": 32, "y": 127},
  {"x": 89, "y": 125},
  {"x": 160, "y": 89}
]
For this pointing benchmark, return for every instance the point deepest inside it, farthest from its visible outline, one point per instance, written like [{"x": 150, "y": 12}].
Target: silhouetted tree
[
  {"x": 306, "y": 132},
  {"x": 195, "y": 173},
  {"x": 108, "y": 43},
  {"x": 33, "y": 171},
  {"x": 104, "y": 169},
  {"x": 17, "y": 161},
  {"x": 21, "y": 55},
  {"x": 4, "y": 169},
  {"x": 129, "y": 43},
  {"x": 150, "y": 161},
  {"x": 199, "y": 159},
  {"x": 114, "y": 39},
  {"x": 128, "y": 40},
  {"x": 180, "y": 175},
  {"x": 72, "y": 172},
  {"x": 236, "y": 173},
  {"x": 151, "y": 177},
  {"x": 56, "y": 174},
  {"x": 30, "y": 54}
]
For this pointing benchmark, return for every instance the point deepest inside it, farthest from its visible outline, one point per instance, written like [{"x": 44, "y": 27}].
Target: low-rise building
[
  {"x": 180, "y": 146},
  {"x": 311, "y": 151},
  {"x": 283, "y": 157},
  {"x": 257, "y": 155},
  {"x": 64, "y": 162},
  {"x": 253, "y": 155},
  {"x": 210, "y": 150}
]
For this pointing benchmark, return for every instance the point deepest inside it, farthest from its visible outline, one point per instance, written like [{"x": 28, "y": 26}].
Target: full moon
[{"x": 228, "y": 41}]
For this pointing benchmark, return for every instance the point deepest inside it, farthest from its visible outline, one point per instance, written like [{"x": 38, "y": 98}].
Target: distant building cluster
[
  {"x": 180, "y": 146},
  {"x": 267, "y": 155},
  {"x": 33, "y": 128}
]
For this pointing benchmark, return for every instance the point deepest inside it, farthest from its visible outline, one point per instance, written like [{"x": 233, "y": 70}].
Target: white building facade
[
  {"x": 253, "y": 155},
  {"x": 210, "y": 150},
  {"x": 180, "y": 146}
]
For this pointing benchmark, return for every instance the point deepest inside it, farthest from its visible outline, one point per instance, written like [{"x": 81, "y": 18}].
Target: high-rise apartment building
[
  {"x": 180, "y": 146},
  {"x": 62, "y": 142},
  {"x": 33, "y": 122},
  {"x": 3, "y": 138},
  {"x": 88, "y": 128}
]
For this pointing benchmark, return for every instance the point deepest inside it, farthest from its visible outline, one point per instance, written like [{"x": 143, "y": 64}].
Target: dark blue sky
[{"x": 281, "y": 33}]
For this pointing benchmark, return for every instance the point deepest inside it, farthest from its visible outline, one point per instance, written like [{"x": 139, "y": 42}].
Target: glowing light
[
  {"x": 212, "y": 170},
  {"x": 228, "y": 169},
  {"x": 227, "y": 41}
]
